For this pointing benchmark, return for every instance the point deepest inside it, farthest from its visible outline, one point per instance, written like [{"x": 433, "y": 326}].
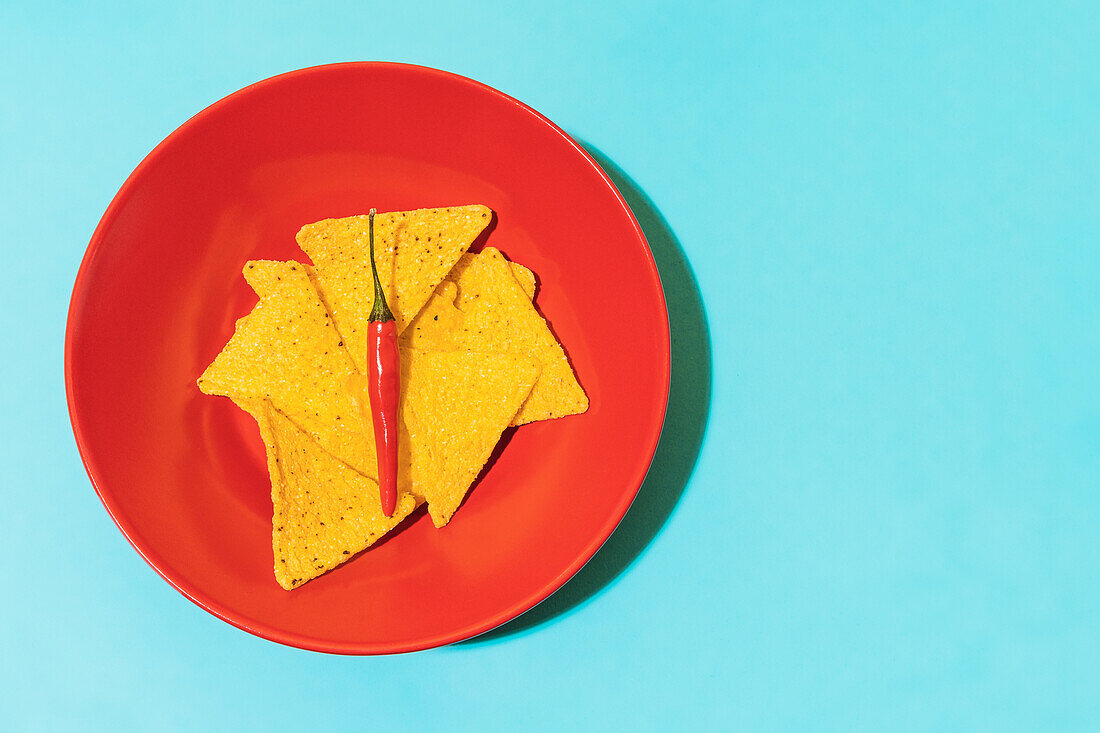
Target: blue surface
[{"x": 893, "y": 213}]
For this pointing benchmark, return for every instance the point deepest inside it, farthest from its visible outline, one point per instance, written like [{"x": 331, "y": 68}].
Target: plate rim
[{"x": 255, "y": 626}]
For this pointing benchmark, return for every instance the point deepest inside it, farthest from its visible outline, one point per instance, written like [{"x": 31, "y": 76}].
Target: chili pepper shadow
[{"x": 682, "y": 434}]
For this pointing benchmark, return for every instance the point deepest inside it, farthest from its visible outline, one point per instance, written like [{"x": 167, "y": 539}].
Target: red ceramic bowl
[{"x": 183, "y": 474}]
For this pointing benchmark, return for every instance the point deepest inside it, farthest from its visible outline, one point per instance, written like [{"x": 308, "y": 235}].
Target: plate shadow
[{"x": 681, "y": 436}]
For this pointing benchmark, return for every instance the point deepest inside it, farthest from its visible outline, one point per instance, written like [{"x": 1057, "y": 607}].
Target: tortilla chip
[
  {"x": 414, "y": 251},
  {"x": 525, "y": 278},
  {"x": 287, "y": 351},
  {"x": 324, "y": 512},
  {"x": 492, "y": 313},
  {"x": 455, "y": 405}
]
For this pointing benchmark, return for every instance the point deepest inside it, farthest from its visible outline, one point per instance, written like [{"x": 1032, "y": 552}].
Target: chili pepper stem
[{"x": 381, "y": 309}]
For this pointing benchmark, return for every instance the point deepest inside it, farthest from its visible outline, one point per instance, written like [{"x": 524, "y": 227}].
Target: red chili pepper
[{"x": 383, "y": 386}]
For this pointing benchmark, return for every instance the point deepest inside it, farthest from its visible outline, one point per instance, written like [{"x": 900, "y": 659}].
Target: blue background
[{"x": 892, "y": 211}]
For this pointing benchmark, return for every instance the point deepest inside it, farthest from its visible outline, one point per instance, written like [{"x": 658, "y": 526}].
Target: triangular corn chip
[
  {"x": 324, "y": 512},
  {"x": 414, "y": 251},
  {"x": 454, "y": 407},
  {"x": 287, "y": 351},
  {"x": 482, "y": 307}
]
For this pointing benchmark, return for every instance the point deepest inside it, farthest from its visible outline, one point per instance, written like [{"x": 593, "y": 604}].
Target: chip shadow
[{"x": 682, "y": 434}]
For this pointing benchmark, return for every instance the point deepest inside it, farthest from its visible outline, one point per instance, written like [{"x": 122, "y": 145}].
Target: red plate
[{"x": 183, "y": 475}]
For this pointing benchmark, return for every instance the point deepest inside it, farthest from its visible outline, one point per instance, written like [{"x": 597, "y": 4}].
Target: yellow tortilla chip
[
  {"x": 525, "y": 278},
  {"x": 482, "y": 307},
  {"x": 414, "y": 251},
  {"x": 287, "y": 351},
  {"x": 324, "y": 512},
  {"x": 453, "y": 411}
]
